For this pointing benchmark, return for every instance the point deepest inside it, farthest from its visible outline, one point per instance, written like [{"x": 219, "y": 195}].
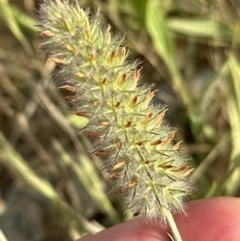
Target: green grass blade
[
  {"x": 232, "y": 183},
  {"x": 86, "y": 173},
  {"x": 9, "y": 16},
  {"x": 200, "y": 28},
  {"x": 156, "y": 25},
  {"x": 13, "y": 161}
]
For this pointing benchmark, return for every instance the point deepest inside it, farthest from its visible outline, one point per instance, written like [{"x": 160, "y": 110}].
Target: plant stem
[{"x": 172, "y": 225}]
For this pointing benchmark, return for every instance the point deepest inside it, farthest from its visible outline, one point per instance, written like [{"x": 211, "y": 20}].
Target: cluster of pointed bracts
[{"x": 128, "y": 131}]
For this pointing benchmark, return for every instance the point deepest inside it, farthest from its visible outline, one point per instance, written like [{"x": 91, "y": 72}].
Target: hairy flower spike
[{"x": 144, "y": 164}]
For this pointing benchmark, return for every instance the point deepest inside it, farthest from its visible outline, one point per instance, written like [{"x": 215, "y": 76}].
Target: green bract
[{"x": 127, "y": 129}]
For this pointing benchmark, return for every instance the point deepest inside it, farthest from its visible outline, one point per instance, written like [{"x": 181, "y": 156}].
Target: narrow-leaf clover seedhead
[{"x": 127, "y": 129}]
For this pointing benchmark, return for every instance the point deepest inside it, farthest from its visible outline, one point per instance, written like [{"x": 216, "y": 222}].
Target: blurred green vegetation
[{"x": 189, "y": 50}]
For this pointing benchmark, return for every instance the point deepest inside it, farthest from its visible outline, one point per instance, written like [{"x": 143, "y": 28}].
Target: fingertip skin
[
  {"x": 133, "y": 230},
  {"x": 212, "y": 219}
]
